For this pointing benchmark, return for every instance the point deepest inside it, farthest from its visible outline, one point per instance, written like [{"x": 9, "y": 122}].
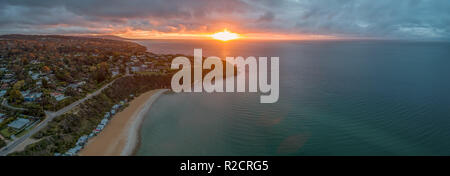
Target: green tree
[
  {"x": 15, "y": 96},
  {"x": 70, "y": 92},
  {"x": 102, "y": 72},
  {"x": 2, "y": 143},
  {"x": 44, "y": 83},
  {"x": 18, "y": 85},
  {"x": 47, "y": 100}
]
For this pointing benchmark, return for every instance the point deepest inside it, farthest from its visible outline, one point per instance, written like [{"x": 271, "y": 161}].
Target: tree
[
  {"x": 19, "y": 84},
  {"x": 48, "y": 100},
  {"x": 122, "y": 69},
  {"x": 70, "y": 92},
  {"x": 2, "y": 143},
  {"x": 102, "y": 72},
  {"x": 63, "y": 76},
  {"x": 15, "y": 96},
  {"x": 46, "y": 69},
  {"x": 44, "y": 83}
]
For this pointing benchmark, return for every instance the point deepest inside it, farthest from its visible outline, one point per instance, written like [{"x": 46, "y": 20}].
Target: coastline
[{"x": 121, "y": 136}]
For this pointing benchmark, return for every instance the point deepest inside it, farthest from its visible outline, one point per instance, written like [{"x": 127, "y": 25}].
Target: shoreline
[{"x": 121, "y": 136}]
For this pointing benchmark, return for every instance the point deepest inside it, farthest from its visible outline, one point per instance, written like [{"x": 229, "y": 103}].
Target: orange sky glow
[{"x": 141, "y": 34}]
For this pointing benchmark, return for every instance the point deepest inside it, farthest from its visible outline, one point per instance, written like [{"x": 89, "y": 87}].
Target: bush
[{"x": 2, "y": 143}]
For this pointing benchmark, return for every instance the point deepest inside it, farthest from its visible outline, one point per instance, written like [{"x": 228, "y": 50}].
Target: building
[
  {"x": 82, "y": 140},
  {"x": 35, "y": 76},
  {"x": 135, "y": 69},
  {"x": 19, "y": 123},
  {"x": 77, "y": 85},
  {"x": 58, "y": 96},
  {"x": 2, "y": 93},
  {"x": 8, "y": 75},
  {"x": 104, "y": 122},
  {"x": 4, "y": 86},
  {"x": 114, "y": 73},
  {"x": 73, "y": 151},
  {"x": 32, "y": 97}
]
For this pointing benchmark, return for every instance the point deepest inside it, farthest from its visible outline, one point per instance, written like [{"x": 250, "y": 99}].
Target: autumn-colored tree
[{"x": 46, "y": 69}]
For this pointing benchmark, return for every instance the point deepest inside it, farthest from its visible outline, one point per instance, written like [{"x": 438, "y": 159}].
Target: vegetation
[
  {"x": 63, "y": 132},
  {"x": 50, "y": 72},
  {"x": 2, "y": 143}
]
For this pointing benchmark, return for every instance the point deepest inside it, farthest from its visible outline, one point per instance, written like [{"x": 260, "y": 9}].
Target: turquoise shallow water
[{"x": 336, "y": 98}]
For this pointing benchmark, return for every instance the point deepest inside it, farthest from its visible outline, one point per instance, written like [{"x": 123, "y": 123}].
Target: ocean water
[{"x": 336, "y": 98}]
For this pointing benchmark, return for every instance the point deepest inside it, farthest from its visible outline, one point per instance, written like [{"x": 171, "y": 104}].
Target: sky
[{"x": 272, "y": 19}]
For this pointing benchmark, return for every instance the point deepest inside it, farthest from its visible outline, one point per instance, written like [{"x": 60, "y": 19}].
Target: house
[
  {"x": 107, "y": 115},
  {"x": 8, "y": 75},
  {"x": 114, "y": 73},
  {"x": 2, "y": 93},
  {"x": 35, "y": 62},
  {"x": 19, "y": 123},
  {"x": 7, "y": 81},
  {"x": 73, "y": 151},
  {"x": 58, "y": 96},
  {"x": 116, "y": 106},
  {"x": 4, "y": 86},
  {"x": 76, "y": 86},
  {"x": 32, "y": 96},
  {"x": 91, "y": 135},
  {"x": 99, "y": 128},
  {"x": 104, "y": 122},
  {"x": 82, "y": 140},
  {"x": 25, "y": 93},
  {"x": 35, "y": 76},
  {"x": 60, "y": 89}
]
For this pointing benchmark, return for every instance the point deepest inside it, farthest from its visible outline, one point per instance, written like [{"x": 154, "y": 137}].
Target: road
[
  {"x": 49, "y": 117},
  {"x": 5, "y": 104}
]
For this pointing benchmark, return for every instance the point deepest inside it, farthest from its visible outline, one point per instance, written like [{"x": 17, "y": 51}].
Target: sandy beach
[{"x": 121, "y": 136}]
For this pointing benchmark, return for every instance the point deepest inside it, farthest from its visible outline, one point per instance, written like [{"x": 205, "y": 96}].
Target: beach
[{"x": 121, "y": 136}]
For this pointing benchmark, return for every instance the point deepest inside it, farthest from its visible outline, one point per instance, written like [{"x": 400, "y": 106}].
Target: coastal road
[{"x": 49, "y": 117}]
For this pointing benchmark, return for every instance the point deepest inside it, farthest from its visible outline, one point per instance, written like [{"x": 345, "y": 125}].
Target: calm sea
[{"x": 336, "y": 98}]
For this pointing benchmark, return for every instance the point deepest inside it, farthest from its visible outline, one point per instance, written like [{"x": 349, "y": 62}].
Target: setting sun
[{"x": 225, "y": 35}]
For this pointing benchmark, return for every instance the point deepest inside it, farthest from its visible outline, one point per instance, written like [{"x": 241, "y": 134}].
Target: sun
[{"x": 225, "y": 35}]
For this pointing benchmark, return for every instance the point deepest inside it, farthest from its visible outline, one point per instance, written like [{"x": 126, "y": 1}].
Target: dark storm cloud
[{"x": 416, "y": 19}]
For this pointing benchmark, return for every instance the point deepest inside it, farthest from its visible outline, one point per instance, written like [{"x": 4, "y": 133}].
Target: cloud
[{"x": 409, "y": 19}]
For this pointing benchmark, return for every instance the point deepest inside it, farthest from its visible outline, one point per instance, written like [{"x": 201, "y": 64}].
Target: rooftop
[{"x": 19, "y": 123}]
